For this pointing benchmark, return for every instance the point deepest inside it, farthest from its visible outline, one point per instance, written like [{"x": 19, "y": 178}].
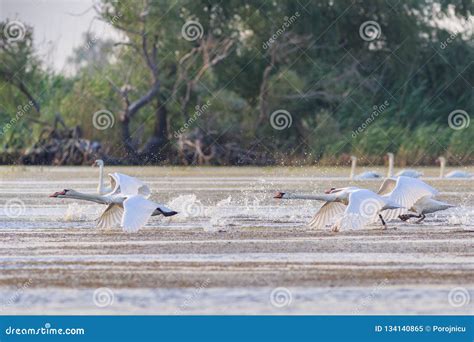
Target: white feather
[
  {"x": 405, "y": 191},
  {"x": 137, "y": 212}
]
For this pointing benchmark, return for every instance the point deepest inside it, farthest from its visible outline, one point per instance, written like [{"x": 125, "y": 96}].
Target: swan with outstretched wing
[
  {"x": 127, "y": 203},
  {"x": 413, "y": 195},
  {"x": 348, "y": 208}
]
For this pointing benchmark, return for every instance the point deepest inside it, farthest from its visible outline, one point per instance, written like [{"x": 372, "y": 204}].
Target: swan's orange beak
[
  {"x": 279, "y": 195},
  {"x": 56, "y": 194}
]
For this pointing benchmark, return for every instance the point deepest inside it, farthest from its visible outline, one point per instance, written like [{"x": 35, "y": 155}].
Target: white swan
[
  {"x": 452, "y": 174},
  {"x": 353, "y": 207},
  {"x": 404, "y": 173},
  {"x": 134, "y": 185},
  {"x": 363, "y": 175},
  {"x": 125, "y": 206},
  {"x": 414, "y": 195}
]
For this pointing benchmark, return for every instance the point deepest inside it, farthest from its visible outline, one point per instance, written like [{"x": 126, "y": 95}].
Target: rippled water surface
[{"x": 232, "y": 248}]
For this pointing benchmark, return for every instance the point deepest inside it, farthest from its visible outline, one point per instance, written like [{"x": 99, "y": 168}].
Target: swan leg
[
  {"x": 383, "y": 222},
  {"x": 422, "y": 217}
]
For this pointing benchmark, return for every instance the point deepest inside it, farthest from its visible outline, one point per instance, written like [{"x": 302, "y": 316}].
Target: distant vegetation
[{"x": 248, "y": 82}]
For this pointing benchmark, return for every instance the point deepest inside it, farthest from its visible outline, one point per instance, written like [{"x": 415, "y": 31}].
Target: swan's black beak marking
[{"x": 279, "y": 195}]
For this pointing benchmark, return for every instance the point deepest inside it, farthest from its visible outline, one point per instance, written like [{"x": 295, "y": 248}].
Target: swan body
[
  {"x": 403, "y": 173},
  {"x": 458, "y": 174},
  {"x": 409, "y": 173},
  {"x": 427, "y": 205},
  {"x": 353, "y": 208},
  {"x": 412, "y": 194},
  {"x": 125, "y": 205},
  {"x": 363, "y": 175},
  {"x": 452, "y": 174},
  {"x": 367, "y": 175}
]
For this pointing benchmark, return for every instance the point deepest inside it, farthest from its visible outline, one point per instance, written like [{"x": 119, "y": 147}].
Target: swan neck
[
  {"x": 353, "y": 168},
  {"x": 325, "y": 197},
  {"x": 441, "y": 168},
  {"x": 390, "y": 165},
  {"x": 101, "y": 179},
  {"x": 88, "y": 197}
]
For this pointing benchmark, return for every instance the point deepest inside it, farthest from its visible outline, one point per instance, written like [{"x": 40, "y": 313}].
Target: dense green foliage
[{"x": 345, "y": 94}]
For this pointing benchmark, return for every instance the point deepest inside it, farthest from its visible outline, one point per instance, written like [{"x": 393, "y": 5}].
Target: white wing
[
  {"x": 114, "y": 184},
  {"x": 326, "y": 213},
  {"x": 387, "y": 186},
  {"x": 127, "y": 185},
  {"x": 111, "y": 216},
  {"x": 137, "y": 212},
  {"x": 406, "y": 192},
  {"x": 363, "y": 208}
]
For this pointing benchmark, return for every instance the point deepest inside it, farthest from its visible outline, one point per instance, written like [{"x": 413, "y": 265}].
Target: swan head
[
  {"x": 331, "y": 191},
  {"x": 441, "y": 160},
  {"x": 98, "y": 162},
  {"x": 279, "y": 195},
  {"x": 61, "y": 194},
  {"x": 353, "y": 158}
]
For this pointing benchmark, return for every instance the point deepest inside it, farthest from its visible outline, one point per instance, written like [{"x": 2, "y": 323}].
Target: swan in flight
[
  {"x": 125, "y": 205},
  {"x": 363, "y": 175},
  {"x": 414, "y": 195},
  {"x": 353, "y": 208},
  {"x": 124, "y": 180},
  {"x": 404, "y": 173},
  {"x": 452, "y": 174}
]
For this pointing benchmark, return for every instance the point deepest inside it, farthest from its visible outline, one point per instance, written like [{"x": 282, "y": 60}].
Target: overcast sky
[{"x": 58, "y": 27}]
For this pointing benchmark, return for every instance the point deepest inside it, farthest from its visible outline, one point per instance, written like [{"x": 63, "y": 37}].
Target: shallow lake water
[{"x": 232, "y": 249}]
